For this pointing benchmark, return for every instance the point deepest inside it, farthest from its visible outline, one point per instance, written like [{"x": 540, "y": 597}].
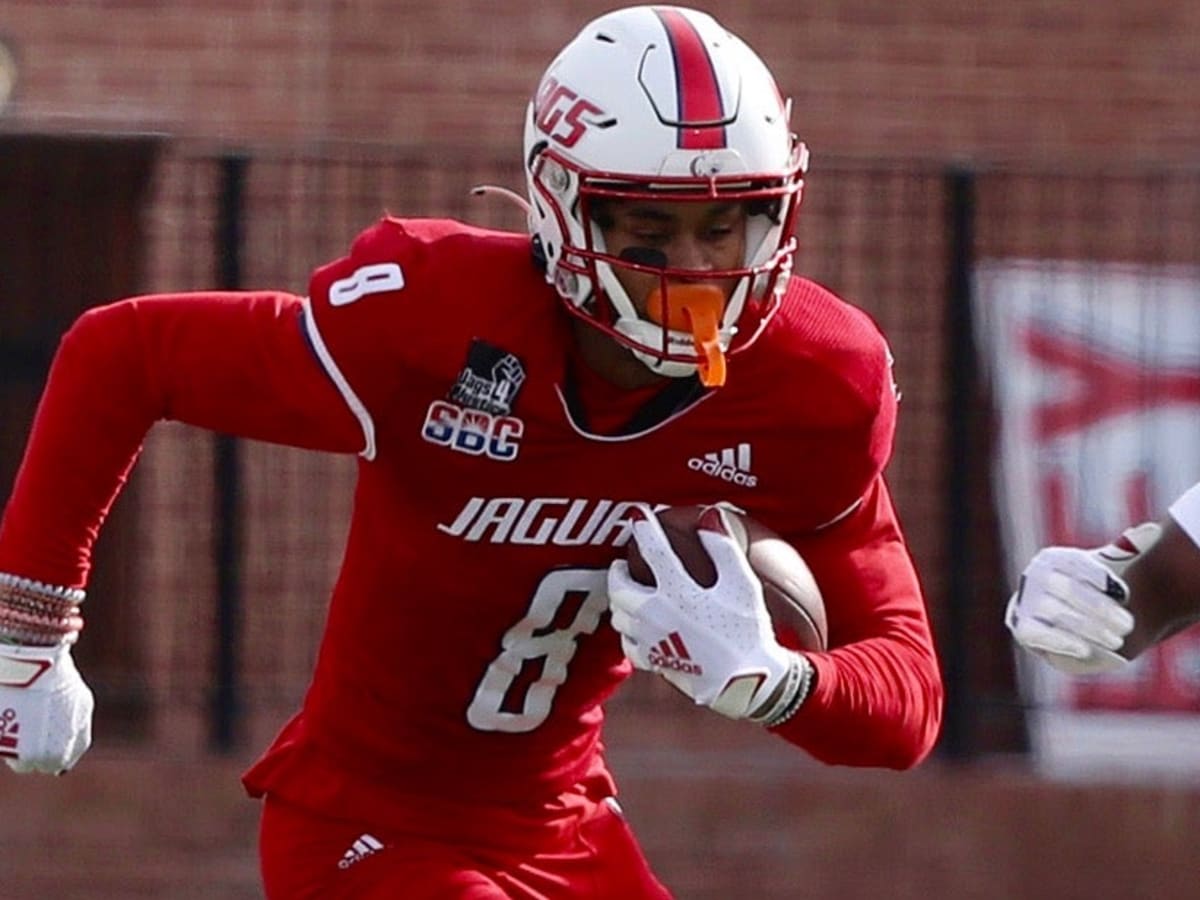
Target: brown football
[{"x": 793, "y": 599}]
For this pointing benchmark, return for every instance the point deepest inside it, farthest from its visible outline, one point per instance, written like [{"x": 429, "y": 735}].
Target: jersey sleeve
[
  {"x": 365, "y": 316},
  {"x": 861, "y": 447},
  {"x": 236, "y": 363},
  {"x": 879, "y": 694},
  {"x": 844, "y": 409}
]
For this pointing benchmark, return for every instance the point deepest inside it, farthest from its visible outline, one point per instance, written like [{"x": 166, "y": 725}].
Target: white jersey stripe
[{"x": 331, "y": 369}]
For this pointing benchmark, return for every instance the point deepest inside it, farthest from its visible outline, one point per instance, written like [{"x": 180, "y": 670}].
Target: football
[{"x": 792, "y": 597}]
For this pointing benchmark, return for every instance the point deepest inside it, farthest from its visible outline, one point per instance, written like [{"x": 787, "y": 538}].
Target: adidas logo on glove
[
  {"x": 672, "y": 653},
  {"x": 10, "y": 730}
]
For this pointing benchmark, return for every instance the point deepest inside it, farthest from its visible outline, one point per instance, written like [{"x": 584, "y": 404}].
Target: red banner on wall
[{"x": 1095, "y": 371}]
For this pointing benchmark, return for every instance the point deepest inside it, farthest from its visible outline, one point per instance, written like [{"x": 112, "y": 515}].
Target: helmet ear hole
[{"x": 535, "y": 151}]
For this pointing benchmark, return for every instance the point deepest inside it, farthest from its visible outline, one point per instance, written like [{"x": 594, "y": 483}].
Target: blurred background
[{"x": 1011, "y": 190}]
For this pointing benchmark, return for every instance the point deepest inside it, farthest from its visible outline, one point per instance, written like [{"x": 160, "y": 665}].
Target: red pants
[{"x": 307, "y": 856}]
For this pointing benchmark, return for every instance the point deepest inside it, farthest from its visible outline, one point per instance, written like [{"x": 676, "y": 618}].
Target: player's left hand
[
  {"x": 45, "y": 709},
  {"x": 715, "y": 644},
  {"x": 1070, "y": 607}
]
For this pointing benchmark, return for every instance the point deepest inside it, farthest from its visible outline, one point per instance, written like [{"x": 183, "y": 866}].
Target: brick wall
[{"x": 1029, "y": 79}]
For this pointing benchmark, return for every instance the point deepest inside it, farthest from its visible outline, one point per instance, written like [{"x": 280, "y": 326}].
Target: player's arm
[
  {"x": 877, "y": 695},
  {"x": 876, "y": 700},
  {"x": 1087, "y": 611},
  {"x": 236, "y": 363},
  {"x": 1164, "y": 588}
]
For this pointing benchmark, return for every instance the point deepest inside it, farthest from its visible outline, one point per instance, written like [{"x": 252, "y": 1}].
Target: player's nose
[{"x": 688, "y": 252}]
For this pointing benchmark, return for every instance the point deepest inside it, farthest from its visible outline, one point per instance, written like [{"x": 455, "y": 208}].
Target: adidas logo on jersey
[
  {"x": 671, "y": 653},
  {"x": 731, "y": 464},
  {"x": 360, "y": 850}
]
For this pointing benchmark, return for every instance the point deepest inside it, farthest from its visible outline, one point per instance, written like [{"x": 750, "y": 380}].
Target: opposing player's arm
[
  {"x": 1164, "y": 589},
  {"x": 1090, "y": 610}
]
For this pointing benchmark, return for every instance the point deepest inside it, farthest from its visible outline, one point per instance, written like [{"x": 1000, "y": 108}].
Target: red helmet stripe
[{"x": 696, "y": 84}]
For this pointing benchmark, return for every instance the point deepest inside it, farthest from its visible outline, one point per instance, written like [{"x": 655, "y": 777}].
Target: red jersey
[{"x": 467, "y": 653}]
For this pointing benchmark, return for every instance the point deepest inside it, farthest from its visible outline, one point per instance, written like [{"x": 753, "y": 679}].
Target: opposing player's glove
[
  {"x": 715, "y": 644},
  {"x": 1070, "y": 607},
  {"x": 45, "y": 709}
]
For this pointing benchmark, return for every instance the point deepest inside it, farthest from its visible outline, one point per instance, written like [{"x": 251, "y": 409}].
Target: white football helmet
[{"x": 662, "y": 102}]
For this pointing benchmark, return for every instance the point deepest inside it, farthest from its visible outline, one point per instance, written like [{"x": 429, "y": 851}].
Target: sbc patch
[{"x": 476, "y": 416}]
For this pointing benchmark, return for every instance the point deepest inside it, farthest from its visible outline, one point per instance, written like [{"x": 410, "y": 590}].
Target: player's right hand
[
  {"x": 735, "y": 665},
  {"x": 1071, "y": 606},
  {"x": 45, "y": 709}
]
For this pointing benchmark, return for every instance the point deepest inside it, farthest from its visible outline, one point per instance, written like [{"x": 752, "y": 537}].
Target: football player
[
  {"x": 517, "y": 401},
  {"x": 1089, "y": 611}
]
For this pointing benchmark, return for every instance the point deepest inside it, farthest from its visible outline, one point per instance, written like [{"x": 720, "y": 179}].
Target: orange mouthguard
[{"x": 696, "y": 309}]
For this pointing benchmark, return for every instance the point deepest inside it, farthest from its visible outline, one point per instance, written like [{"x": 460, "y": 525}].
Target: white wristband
[
  {"x": 38, "y": 614},
  {"x": 796, "y": 690}
]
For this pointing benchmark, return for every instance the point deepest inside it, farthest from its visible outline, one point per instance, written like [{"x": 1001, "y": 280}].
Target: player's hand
[
  {"x": 715, "y": 644},
  {"x": 45, "y": 709},
  {"x": 1071, "y": 606}
]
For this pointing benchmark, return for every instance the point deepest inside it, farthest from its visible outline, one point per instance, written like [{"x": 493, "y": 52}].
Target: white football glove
[
  {"x": 1070, "y": 607},
  {"x": 45, "y": 709},
  {"x": 714, "y": 644}
]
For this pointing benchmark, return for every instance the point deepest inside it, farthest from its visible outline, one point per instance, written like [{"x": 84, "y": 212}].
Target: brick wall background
[
  {"x": 723, "y": 813},
  {"x": 1028, "y": 79}
]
